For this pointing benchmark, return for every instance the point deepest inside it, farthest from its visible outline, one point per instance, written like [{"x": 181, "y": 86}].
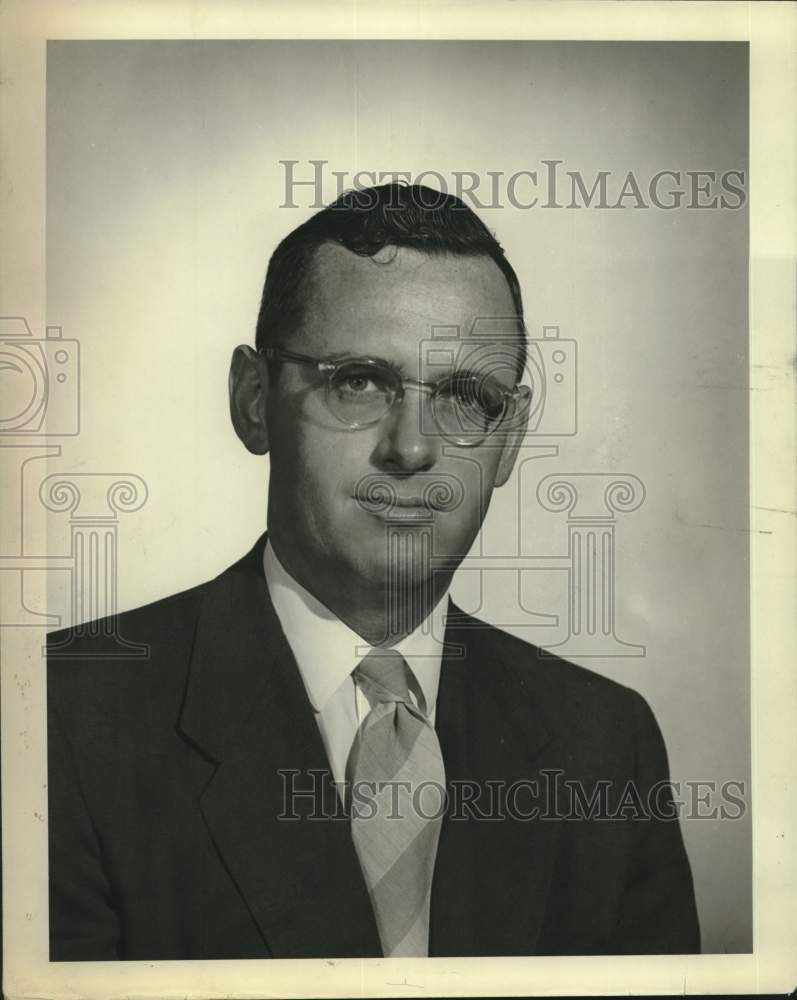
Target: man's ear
[
  {"x": 517, "y": 425},
  {"x": 248, "y": 398}
]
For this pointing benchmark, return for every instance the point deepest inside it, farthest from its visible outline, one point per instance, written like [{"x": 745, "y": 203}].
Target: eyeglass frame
[{"x": 327, "y": 367}]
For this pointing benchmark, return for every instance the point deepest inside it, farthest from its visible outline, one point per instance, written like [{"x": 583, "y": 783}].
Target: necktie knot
[{"x": 383, "y": 677}]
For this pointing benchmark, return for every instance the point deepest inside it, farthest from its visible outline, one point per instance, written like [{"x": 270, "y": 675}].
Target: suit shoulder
[
  {"x": 597, "y": 717},
  {"x": 136, "y": 657},
  {"x": 118, "y": 682},
  {"x": 550, "y": 677},
  {"x": 94, "y": 638}
]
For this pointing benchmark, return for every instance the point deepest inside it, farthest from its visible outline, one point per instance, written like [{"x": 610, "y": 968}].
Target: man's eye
[
  {"x": 358, "y": 383},
  {"x": 462, "y": 388},
  {"x": 474, "y": 393}
]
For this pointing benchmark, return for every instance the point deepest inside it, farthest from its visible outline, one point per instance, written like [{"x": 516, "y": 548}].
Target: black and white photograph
[{"x": 387, "y": 527}]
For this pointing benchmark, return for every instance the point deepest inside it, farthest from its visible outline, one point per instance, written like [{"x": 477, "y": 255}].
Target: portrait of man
[
  {"x": 322, "y": 755},
  {"x": 397, "y": 431}
]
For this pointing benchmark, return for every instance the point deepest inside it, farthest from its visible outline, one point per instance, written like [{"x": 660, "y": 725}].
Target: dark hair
[{"x": 364, "y": 221}]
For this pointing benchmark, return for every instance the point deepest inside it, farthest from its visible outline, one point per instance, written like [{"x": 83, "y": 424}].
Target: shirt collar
[{"x": 327, "y": 650}]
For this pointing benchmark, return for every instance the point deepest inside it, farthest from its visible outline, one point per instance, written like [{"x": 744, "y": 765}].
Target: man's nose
[{"x": 403, "y": 446}]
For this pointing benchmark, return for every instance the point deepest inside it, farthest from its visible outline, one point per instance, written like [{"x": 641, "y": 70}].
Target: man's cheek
[
  {"x": 330, "y": 477},
  {"x": 473, "y": 478}
]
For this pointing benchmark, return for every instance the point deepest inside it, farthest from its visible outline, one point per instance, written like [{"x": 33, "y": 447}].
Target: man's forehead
[{"x": 400, "y": 293}]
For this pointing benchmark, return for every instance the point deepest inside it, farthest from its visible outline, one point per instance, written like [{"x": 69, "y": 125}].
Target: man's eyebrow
[{"x": 354, "y": 356}]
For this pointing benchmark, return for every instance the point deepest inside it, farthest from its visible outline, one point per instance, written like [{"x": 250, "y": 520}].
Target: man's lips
[
  {"x": 433, "y": 494},
  {"x": 390, "y": 505}
]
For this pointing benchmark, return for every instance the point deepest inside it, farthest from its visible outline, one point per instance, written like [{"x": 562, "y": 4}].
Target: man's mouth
[
  {"x": 379, "y": 496},
  {"x": 413, "y": 508},
  {"x": 410, "y": 509}
]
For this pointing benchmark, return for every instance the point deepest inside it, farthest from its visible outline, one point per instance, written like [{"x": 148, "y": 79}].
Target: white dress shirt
[{"x": 327, "y": 652}]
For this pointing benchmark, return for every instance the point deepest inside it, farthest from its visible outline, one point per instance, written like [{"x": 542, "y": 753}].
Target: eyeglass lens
[{"x": 465, "y": 405}]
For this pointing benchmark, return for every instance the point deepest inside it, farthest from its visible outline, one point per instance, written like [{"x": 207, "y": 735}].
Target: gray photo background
[{"x": 163, "y": 204}]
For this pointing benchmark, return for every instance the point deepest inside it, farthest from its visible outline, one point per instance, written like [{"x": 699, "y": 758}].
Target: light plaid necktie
[{"x": 396, "y": 755}]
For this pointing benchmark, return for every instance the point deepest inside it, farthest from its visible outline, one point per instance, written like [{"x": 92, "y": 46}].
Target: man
[{"x": 321, "y": 755}]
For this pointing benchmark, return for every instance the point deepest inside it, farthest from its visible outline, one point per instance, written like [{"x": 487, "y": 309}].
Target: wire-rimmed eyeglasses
[{"x": 467, "y": 406}]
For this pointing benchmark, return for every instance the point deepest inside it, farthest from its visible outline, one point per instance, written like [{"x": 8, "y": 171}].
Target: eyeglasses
[{"x": 466, "y": 406}]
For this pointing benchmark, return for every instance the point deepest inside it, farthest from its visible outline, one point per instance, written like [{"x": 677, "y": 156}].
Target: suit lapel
[
  {"x": 246, "y": 709},
  {"x": 492, "y": 875}
]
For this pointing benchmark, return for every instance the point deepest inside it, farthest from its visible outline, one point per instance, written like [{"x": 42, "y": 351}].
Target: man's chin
[
  {"x": 392, "y": 572},
  {"x": 404, "y": 554}
]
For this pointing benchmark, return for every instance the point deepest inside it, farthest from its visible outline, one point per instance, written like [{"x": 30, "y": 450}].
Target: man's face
[{"x": 386, "y": 308}]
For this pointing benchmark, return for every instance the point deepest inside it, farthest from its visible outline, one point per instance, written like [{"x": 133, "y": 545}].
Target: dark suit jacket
[{"x": 164, "y": 796}]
